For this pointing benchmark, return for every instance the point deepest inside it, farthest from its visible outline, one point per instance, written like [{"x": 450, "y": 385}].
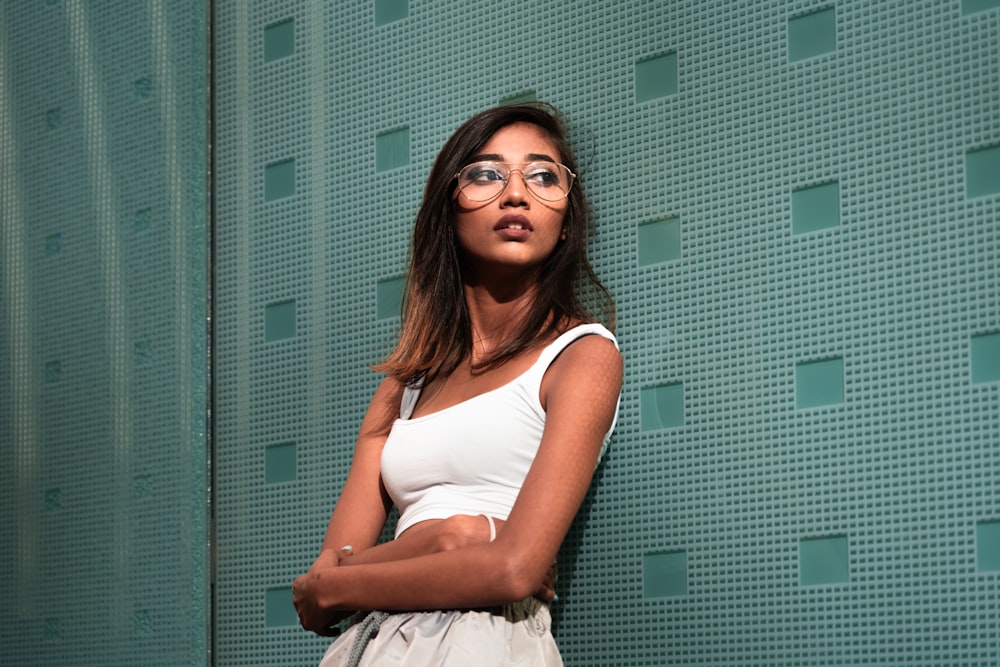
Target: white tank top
[{"x": 471, "y": 458}]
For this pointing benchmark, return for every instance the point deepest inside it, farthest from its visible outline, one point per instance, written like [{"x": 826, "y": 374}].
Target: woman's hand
[
  {"x": 547, "y": 593},
  {"x": 306, "y": 590}
]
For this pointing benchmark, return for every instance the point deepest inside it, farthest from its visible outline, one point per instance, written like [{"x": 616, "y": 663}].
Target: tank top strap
[
  {"x": 411, "y": 394},
  {"x": 556, "y": 347},
  {"x": 532, "y": 379}
]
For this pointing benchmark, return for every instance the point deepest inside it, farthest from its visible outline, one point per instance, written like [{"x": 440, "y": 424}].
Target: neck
[{"x": 494, "y": 317}]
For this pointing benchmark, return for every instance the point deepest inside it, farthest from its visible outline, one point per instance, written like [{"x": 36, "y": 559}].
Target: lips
[{"x": 514, "y": 223}]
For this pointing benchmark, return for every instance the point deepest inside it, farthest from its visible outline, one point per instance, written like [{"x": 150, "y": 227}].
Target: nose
[{"x": 515, "y": 191}]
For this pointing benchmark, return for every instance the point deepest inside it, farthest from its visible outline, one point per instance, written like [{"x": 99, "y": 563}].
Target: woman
[{"x": 499, "y": 397}]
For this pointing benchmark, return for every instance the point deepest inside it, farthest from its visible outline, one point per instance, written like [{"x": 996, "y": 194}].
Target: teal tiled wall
[
  {"x": 103, "y": 335},
  {"x": 798, "y": 214},
  {"x": 802, "y": 240}
]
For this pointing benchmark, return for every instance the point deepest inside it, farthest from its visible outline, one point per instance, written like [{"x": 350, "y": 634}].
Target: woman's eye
[
  {"x": 483, "y": 174},
  {"x": 543, "y": 175}
]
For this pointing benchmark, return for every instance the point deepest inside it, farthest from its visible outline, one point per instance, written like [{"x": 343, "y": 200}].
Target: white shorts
[{"x": 513, "y": 634}]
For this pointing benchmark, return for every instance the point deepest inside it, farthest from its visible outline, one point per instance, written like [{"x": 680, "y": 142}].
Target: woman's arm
[
  {"x": 427, "y": 537},
  {"x": 436, "y": 535},
  {"x": 580, "y": 393},
  {"x": 361, "y": 510},
  {"x": 363, "y": 505}
]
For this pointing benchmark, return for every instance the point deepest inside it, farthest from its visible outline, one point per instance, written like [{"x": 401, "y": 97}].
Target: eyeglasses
[{"x": 483, "y": 181}]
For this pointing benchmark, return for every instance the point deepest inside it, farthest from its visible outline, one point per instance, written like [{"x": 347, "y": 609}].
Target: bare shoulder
[
  {"x": 383, "y": 408},
  {"x": 388, "y": 389},
  {"x": 590, "y": 364},
  {"x": 589, "y": 350}
]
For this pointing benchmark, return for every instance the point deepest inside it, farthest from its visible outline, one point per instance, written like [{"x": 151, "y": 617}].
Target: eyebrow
[{"x": 496, "y": 157}]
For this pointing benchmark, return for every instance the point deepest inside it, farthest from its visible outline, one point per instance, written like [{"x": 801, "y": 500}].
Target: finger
[{"x": 546, "y": 594}]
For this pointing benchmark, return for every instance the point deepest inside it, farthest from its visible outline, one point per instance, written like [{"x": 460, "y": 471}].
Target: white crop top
[{"x": 471, "y": 458}]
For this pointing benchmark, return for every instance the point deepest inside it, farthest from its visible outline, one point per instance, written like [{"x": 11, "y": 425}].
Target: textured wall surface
[
  {"x": 798, "y": 212},
  {"x": 103, "y": 376}
]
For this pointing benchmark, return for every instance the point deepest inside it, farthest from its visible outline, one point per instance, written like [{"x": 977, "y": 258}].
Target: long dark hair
[{"x": 436, "y": 333}]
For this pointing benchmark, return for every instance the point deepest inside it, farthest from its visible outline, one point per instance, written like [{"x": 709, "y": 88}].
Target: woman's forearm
[
  {"x": 475, "y": 576},
  {"x": 329, "y": 590},
  {"x": 427, "y": 538}
]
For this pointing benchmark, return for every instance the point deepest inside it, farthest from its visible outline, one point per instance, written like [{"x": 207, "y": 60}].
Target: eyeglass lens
[{"x": 482, "y": 181}]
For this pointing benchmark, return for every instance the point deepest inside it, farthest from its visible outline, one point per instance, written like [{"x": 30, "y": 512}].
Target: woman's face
[{"x": 515, "y": 231}]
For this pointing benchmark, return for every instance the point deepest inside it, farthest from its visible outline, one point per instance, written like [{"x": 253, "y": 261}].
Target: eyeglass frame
[{"x": 506, "y": 180}]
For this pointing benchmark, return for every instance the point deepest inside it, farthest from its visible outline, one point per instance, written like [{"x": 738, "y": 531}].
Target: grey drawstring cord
[{"x": 367, "y": 629}]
